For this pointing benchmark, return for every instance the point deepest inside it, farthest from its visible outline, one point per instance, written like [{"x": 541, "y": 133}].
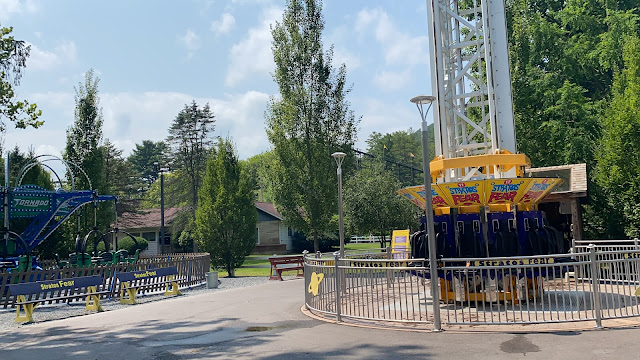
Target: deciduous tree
[
  {"x": 618, "y": 167},
  {"x": 309, "y": 121},
  {"x": 84, "y": 149},
  {"x": 372, "y": 206},
  {"x": 13, "y": 60},
  {"x": 226, "y": 216}
]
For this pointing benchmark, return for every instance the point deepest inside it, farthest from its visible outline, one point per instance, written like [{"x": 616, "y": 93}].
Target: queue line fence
[
  {"x": 592, "y": 285},
  {"x": 191, "y": 267}
]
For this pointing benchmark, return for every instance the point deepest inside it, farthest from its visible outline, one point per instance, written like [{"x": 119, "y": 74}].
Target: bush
[
  {"x": 128, "y": 244},
  {"x": 326, "y": 242}
]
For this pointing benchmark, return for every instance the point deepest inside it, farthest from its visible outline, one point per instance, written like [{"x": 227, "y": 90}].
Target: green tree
[
  {"x": 618, "y": 170},
  {"x": 258, "y": 167},
  {"x": 35, "y": 176},
  {"x": 84, "y": 148},
  {"x": 372, "y": 206},
  {"x": 564, "y": 55},
  {"x": 120, "y": 178},
  {"x": 144, "y": 156},
  {"x": 190, "y": 142},
  {"x": 84, "y": 137},
  {"x": 309, "y": 122},
  {"x": 226, "y": 217},
  {"x": 13, "y": 60},
  {"x": 401, "y": 150}
]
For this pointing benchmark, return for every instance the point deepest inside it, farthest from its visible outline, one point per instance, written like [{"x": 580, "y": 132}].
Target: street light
[
  {"x": 421, "y": 101},
  {"x": 161, "y": 170},
  {"x": 339, "y": 156}
]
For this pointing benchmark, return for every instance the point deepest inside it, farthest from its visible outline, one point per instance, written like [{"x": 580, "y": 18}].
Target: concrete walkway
[{"x": 265, "y": 322}]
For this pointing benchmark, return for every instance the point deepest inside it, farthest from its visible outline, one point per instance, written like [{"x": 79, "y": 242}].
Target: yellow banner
[
  {"x": 537, "y": 189},
  {"x": 400, "y": 244},
  {"x": 416, "y": 195},
  {"x": 482, "y": 192},
  {"x": 464, "y": 193},
  {"x": 505, "y": 191}
]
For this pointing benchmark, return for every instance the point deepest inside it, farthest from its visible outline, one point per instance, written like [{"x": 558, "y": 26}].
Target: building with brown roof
[
  {"x": 273, "y": 236},
  {"x": 146, "y": 223}
]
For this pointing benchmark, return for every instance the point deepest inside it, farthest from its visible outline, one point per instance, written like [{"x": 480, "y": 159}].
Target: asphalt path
[{"x": 265, "y": 322}]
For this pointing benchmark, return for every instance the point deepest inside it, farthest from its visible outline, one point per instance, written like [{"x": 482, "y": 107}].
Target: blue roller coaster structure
[{"x": 48, "y": 209}]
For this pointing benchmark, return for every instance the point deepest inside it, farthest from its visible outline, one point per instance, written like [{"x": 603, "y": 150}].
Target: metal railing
[{"x": 591, "y": 285}]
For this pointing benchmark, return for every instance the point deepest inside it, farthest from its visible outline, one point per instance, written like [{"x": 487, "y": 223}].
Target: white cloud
[
  {"x": 392, "y": 81},
  {"x": 343, "y": 56},
  {"x": 16, "y": 7},
  {"x": 191, "y": 41},
  {"x": 130, "y": 118},
  {"x": 252, "y": 55},
  {"x": 224, "y": 25},
  {"x": 39, "y": 59},
  {"x": 399, "y": 48}
]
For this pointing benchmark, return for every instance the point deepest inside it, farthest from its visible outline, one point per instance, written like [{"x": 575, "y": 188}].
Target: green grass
[
  {"x": 362, "y": 246},
  {"x": 255, "y": 260},
  {"x": 246, "y": 272},
  {"x": 262, "y": 260}
]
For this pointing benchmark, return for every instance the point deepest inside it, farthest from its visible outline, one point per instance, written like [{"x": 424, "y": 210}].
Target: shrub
[
  {"x": 128, "y": 244},
  {"x": 326, "y": 242}
]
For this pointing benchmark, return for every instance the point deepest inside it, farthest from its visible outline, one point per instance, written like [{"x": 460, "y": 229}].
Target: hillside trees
[
  {"x": 618, "y": 167},
  {"x": 258, "y": 168},
  {"x": 144, "y": 156},
  {"x": 309, "y": 122},
  {"x": 226, "y": 216},
  {"x": 402, "y": 147},
  {"x": 372, "y": 206},
  {"x": 563, "y": 59}
]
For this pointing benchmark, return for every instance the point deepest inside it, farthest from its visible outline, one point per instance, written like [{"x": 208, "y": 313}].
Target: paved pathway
[{"x": 265, "y": 322}]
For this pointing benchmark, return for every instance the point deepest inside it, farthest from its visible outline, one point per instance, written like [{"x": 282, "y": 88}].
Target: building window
[
  {"x": 257, "y": 236},
  {"x": 289, "y": 231},
  {"x": 149, "y": 236}
]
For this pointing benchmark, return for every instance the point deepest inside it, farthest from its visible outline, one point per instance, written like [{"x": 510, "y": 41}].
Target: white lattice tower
[{"x": 471, "y": 81}]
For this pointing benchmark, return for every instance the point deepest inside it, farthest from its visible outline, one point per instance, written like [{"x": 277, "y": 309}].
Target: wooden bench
[
  {"x": 286, "y": 263},
  {"x": 131, "y": 282},
  {"x": 24, "y": 307}
]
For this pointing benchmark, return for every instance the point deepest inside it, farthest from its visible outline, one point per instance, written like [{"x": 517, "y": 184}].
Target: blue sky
[{"x": 153, "y": 57}]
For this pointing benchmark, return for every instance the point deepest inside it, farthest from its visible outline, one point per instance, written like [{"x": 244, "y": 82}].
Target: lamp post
[
  {"x": 339, "y": 157},
  {"x": 161, "y": 170},
  {"x": 421, "y": 101}
]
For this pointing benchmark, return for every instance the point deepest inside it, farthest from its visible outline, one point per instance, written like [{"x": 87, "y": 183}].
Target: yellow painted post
[
  {"x": 172, "y": 287},
  {"x": 131, "y": 294},
  {"x": 27, "y": 308},
  {"x": 93, "y": 300}
]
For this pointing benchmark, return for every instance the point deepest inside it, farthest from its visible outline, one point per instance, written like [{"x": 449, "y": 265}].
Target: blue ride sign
[
  {"x": 146, "y": 274},
  {"x": 55, "y": 285}
]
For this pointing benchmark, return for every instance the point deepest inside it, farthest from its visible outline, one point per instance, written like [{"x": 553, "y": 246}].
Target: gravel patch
[{"x": 62, "y": 311}]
